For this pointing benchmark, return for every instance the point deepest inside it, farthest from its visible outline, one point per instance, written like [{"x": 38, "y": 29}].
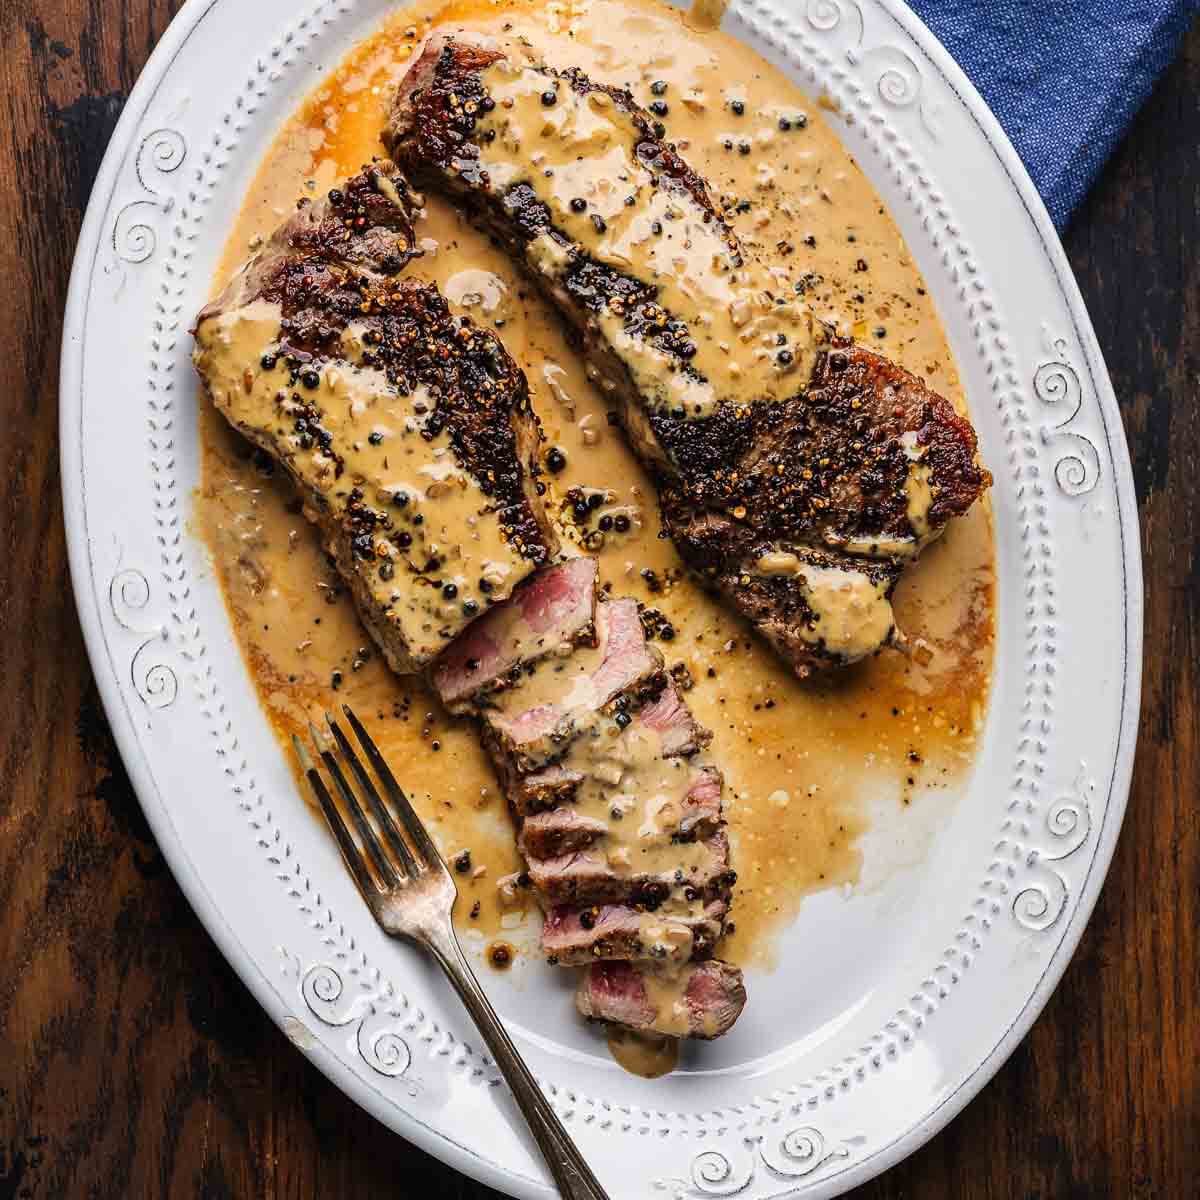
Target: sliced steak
[
  {"x": 597, "y": 875},
  {"x": 548, "y": 702},
  {"x": 553, "y": 611},
  {"x": 573, "y": 937},
  {"x": 547, "y": 835},
  {"x": 702, "y": 1001},
  {"x": 404, "y": 426},
  {"x": 613, "y": 750},
  {"x": 797, "y": 475}
]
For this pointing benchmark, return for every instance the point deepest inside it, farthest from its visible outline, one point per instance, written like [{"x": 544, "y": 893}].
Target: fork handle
[{"x": 570, "y": 1170}]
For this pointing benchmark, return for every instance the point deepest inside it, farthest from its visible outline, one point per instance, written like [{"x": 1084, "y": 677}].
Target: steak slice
[
  {"x": 593, "y": 876},
  {"x": 556, "y": 609},
  {"x": 549, "y": 701},
  {"x": 408, "y": 430},
  {"x": 797, "y": 475},
  {"x": 573, "y": 937},
  {"x": 702, "y": 1001},
  {"x": 536, "y": 798},
  {"x": 557, "y": 832}
]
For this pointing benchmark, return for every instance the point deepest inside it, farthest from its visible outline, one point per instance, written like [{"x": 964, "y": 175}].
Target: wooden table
[{"x": 133, "y": 1063}]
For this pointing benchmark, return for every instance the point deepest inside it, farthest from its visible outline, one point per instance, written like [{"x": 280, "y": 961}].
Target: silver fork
[{"x": 411, "y": 894}]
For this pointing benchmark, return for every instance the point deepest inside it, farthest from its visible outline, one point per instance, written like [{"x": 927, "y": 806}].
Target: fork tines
[{"x": 390, "y": 856}]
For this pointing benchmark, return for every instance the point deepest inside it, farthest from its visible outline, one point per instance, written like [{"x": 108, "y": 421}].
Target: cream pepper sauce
[
  {"x": 378, "y": 446},
  {"x": 800, "y": 760}
]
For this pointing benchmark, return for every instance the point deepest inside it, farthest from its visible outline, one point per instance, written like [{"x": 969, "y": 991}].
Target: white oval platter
[{"x": 894, "y": 1004}]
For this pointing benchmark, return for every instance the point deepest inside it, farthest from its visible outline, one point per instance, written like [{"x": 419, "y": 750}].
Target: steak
[
  {"x": 797, "y": 474},
  {"x": 407, "y": 429},
  {"x": 701, "y": 870},
  {"x": 702, "y": 1001},
  {"x": 618, "y": 815},
  {"x": 579, "y": 936}
]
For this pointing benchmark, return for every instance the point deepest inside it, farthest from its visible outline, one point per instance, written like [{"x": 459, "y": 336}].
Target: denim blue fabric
[{"x": 1064, "y": 77}]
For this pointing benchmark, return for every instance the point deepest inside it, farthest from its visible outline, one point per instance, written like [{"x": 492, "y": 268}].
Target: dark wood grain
[{"x": 132, "y": 1061}]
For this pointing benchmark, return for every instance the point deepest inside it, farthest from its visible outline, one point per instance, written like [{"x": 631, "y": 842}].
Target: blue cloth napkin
[{"x": 1064, "y": 77}]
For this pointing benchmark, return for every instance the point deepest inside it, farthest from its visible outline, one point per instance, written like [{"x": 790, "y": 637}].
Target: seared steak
[
  {"x": 797, "y": 475},
  {"x": 618, "y": 816},
  {"x": 407, "y": 429},
  {"x": 702, "y": 1001}
]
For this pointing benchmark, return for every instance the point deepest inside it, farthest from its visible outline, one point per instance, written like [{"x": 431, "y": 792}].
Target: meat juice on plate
[{"x": 811, "y": 767}]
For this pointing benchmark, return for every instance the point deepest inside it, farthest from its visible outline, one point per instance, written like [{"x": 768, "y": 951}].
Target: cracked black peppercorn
[
  {"x": 595, "y": 500},
  {"x": 606, "y": 522},
  {"x": 311, "y": 380},
  {"x": 375, "y": 438},
  {"x": 268, "y": 362},
  {"x": 660, "y": 108},
  {"x": 449, "y": 590},
  {"x": 599, "y": 223},
  {"x": 556, "y": 460},
  {"x": 549, "y": 98},
  {"x": 404, "y": 539},
  {"x": 738, "y": 107},
  {"x": 621, "y": 523},
  {"x": 659, "y": 87},
  {"x": 578, "y": 204},
  {"x": 399, "y": 499}
]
